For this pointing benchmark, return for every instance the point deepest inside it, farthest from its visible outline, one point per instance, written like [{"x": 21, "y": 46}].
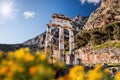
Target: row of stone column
[{"x": 48, "y": 43}]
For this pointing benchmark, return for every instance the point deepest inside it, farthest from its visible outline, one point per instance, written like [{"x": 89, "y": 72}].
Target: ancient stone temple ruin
[
  {"x": 61, "y": 22},
  {"x": 85, "y": 55}
]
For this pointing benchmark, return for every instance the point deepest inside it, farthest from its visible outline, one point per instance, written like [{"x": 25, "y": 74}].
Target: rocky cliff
[{"x": 109, "y": 11}]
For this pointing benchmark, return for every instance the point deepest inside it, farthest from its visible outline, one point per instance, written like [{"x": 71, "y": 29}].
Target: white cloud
[
  {"x": 94, "y": 1},
  {"x": 83, "y": 1},
  {"x": 90, "y": 1},
  {"x": 29, "y": 14}
]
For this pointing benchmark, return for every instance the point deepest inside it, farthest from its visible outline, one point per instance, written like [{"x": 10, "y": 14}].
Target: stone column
[
  {"x": 61, "y": 44},
  {"x": 71, "y": 47},
  {"x": 48, "y": 41}
]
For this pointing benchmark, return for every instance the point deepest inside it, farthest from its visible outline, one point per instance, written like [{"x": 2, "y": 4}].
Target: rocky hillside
[
  {"x": 109, "y": 11},
  {"x": 10, "y": 47},
  {"x": 99, "y": 41}
]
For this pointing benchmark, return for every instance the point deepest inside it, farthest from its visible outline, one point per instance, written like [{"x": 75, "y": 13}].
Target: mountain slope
[{"x": 109, "y": 11}]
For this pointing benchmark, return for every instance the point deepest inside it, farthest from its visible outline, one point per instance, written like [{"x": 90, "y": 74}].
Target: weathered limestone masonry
[
  {"x": 62, "y": 22},
  {"x": 106, "y": 55}
]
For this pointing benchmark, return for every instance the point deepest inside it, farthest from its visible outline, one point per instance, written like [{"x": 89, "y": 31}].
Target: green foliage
[
  {"x": 80, "y": 42},
  {"x": 98, "y": 36},
  {"x": 107, "y": 44}
]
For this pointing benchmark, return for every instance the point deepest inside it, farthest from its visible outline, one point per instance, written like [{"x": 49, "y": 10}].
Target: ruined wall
[{"x": 107, "y": 55}]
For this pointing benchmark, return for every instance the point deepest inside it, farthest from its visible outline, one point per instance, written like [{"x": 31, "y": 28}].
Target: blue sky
[{"x": 22, "y": 20}]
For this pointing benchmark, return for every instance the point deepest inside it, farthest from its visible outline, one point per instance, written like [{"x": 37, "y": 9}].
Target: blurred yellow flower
[
  {"x": 10, "y": 63},
  {"x": 42, "y": 57},
  {"x": 20, "y": 69},
  {"x": 26, "y": 49},
  {"x": 10, "y": 55},
  {"x": 61, "y": 78},
  {"x": 77, "y": 73},
  {"x": 37, "y": 53},
  {"x": 107, "y": 71},
  {"x": 40, "y": 68},
  {"x": 8, "y": 78},
  {"x": 10, "y": 74},
  {"x": 4, "y": 62},
  {"x": 97, "y": 67},
  {"x": 117, "y": 77},
  {"x": 92, "y": 75},
  {"x": 19, "y": 54},
  {"x": 64, "y": 78},
  {"x": 1, "y": 54},
  {"x": 95, "y": 74},
  {"x": 28, "y": 57},
  {"x": 33, "y": 70},
  {"x": 3, "y": 70}
]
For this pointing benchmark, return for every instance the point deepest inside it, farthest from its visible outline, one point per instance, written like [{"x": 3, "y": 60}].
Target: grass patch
[{"x": 107, "y": 44}]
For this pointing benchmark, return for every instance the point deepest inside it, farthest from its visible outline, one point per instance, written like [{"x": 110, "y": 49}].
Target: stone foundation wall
[
  {"x": 89, "y": 56},
  {"x": 107, "y": 55}
]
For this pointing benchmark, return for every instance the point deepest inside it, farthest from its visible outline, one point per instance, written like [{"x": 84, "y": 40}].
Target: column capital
[{"x": 48, "y": 25}]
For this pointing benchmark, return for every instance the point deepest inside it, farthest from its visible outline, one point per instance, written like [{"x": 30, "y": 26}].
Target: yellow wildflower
[
  {"x": 4, "y": 62},
  {"x": 77, "y": 73},
  {"x": 10, "y": 74},
  {"x": 95, "y": 74},
  {"x": 8, "y": 78},
  {"x": 92, "y": 75},
  {"x": 117, "y": 76},
  {"x": 28, "y": 57},
  {"x": 10, "y": 55},
  {"x": 11, "y": 63},
  {"x": 97, "y": 67},
  {"x": 107, "y": 71},
  {"x": 3, "y": 70},
  {"x": 20, "y": 69},
  {"x": 1, "y": 54},
  {"x": 19, "y": 54},
  {"x": 27, "y": 49},
  {"x": 42, "y": 57},
  {"x": 37, "y": 53},
  {"x": 42, "y": 69},
  {"x": 64, "y": 78},
  {"x": 33, "y": 70},
  {"x": 61, "y": 78}
]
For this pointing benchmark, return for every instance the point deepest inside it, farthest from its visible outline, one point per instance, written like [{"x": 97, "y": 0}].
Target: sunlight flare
[{"x": 7, "y": 9}]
